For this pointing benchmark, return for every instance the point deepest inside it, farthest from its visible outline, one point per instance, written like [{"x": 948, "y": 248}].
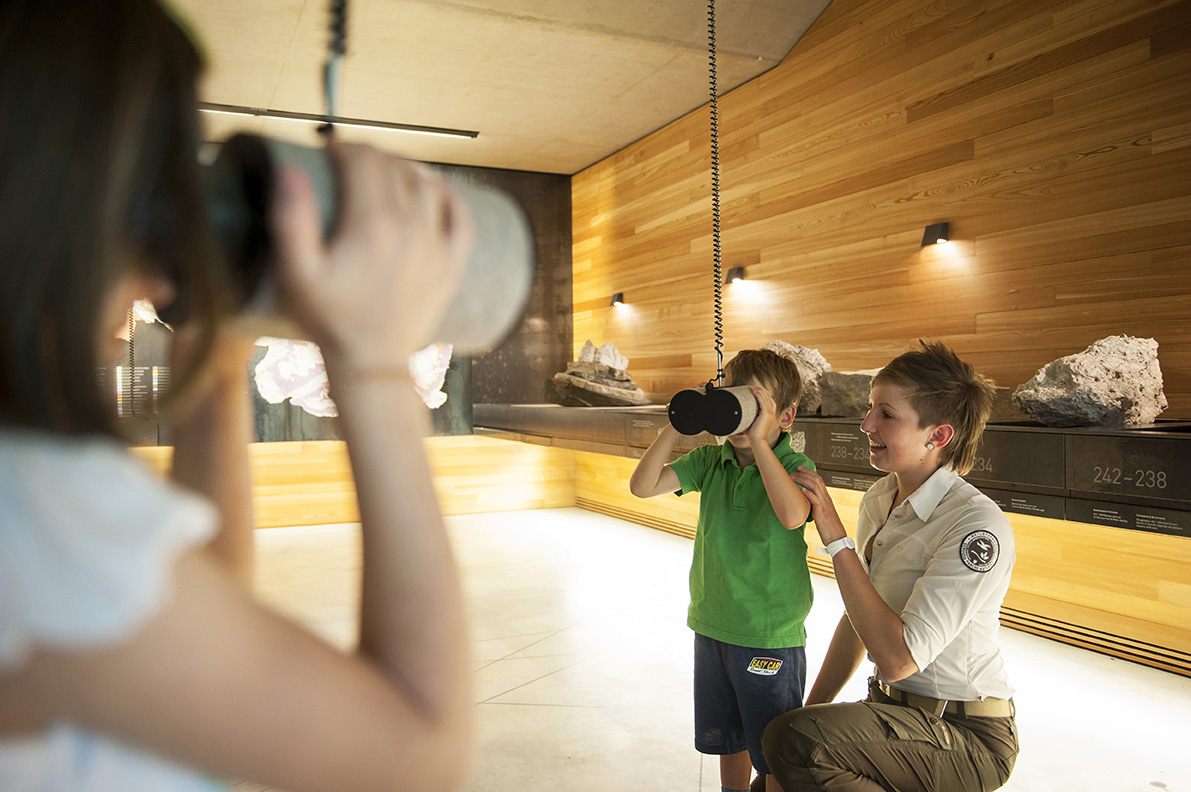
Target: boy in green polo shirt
[{"x": 750, "y": 586}]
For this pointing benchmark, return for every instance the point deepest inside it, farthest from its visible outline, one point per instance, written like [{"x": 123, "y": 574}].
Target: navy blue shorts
[{"x": 738, "y": 691}]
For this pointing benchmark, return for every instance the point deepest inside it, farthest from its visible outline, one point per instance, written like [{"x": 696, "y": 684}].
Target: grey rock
[
  {"x": 599, "y": 378},
  {"x": 597, "y": 371},
  {"x": 845, "y": 393},
  {"x": 811, "y": 367},
  {"x": 1114, "y": 382},
  {"x": 571, "y": 391}
]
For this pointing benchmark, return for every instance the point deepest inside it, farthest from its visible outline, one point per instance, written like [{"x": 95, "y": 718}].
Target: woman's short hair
[
  {"x": 943, "y": 389},
  {"x": 98, "y": 150},
  {"x": 777, "y": 373}
]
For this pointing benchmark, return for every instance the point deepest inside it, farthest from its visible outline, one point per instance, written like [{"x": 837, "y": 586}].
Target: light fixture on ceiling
[
  {"x": 617, "y": 299},
  {"x": 315, "y": 118},
  {"x": 936, "y": 234},
  {"x": 734, "y": 274}
]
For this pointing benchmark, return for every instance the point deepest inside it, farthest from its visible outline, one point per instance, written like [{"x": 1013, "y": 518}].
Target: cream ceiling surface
[{"x": 550, "y": 85}]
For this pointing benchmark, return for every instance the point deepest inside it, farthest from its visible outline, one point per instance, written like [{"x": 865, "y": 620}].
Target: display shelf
[{"x": 1139, "y": 479}]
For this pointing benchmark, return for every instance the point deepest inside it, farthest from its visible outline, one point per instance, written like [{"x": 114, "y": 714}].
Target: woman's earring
[{"x": 930, "y": 446}]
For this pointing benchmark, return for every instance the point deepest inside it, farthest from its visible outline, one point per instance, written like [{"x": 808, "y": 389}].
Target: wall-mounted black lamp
[
  {"x": 735, "y": 274},
  {"x": 617, "y": 299},
  {"x": 936, "y": 234}
]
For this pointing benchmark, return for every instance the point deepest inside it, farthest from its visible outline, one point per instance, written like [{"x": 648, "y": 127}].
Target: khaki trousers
[{"x": 880, "y": 745}]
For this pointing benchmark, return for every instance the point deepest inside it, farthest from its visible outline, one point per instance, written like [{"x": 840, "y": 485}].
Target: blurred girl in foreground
[{"x": 128, "y": 651}]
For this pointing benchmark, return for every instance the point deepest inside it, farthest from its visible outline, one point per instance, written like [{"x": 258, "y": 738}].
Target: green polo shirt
[{"x": 750, "y": 585}]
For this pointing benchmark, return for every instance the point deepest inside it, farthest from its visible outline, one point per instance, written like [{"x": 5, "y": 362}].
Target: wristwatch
[{"x": 840, "y": 544}]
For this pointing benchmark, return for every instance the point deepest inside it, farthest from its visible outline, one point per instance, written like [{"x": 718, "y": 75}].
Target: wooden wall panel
[
  {"x": 602, "y": 484},
  {"x": 310, "y": 483},
  {"x": 474, "y": 474},
  {"x": 1054, "y": 136},
  {"x": 1119, "y": 592},
  {"x": 302, "y": 483}
]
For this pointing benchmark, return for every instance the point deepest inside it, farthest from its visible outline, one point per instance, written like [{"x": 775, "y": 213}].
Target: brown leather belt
[{"x": 981, "y": 708}]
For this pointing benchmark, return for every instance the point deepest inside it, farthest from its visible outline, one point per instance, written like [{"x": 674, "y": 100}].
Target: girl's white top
[{"x": 88, "y": 540}]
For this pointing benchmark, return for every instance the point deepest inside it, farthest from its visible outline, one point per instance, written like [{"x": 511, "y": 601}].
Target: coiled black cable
[
  {"x": 337, "y": 48},
  {"x": 339, "y": 26},
  {"x": 127, "y": 386},
  {"x": 715, "y": 199}
]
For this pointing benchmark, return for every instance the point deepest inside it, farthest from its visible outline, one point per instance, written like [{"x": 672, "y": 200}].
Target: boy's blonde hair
[
  {"x": 777, "y": 373},
  {"x": 943, "y": 389}
]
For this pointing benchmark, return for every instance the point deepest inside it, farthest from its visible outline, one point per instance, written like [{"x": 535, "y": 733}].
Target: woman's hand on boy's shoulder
[{"x": 823, "y": 511}]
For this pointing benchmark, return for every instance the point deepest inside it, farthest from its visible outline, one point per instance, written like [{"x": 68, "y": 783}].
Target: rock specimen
[
  {"x": 1114, "y": 382},
  {"x": 599, "y": 378},
  {"x": 607, "y": 355},
  {"x": 295, "y": 370},
  {"x": 845, "y": 393},
  {"x": 811, "y": 367}
]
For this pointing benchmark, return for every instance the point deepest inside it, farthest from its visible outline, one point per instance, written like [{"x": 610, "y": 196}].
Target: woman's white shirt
[
  {"x": 88, "y": 540},
  {"x": 942, "y": 560}
]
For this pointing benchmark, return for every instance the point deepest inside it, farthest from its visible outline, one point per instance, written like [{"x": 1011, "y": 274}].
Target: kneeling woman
[{"x": 922, "y": 588}]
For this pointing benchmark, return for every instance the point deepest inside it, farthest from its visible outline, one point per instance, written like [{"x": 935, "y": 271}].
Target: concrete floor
[{"x": 583, "y": 662}]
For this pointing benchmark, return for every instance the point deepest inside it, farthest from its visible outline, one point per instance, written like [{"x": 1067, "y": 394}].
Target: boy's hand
[
  {"x": 789, "y": 504},
  {"x": 766, "y": 418}
]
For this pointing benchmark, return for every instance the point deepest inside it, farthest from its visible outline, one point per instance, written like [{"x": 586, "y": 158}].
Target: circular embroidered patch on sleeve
[
  {"x": 798, "y": 442},
  {"x": 979, "y": 551}
]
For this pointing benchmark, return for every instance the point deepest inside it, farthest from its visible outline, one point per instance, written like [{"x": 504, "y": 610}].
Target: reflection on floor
[{"x": 583, "y": 663}]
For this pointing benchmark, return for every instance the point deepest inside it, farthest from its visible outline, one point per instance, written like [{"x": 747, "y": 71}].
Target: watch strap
[{"x": 845, "y": 543}]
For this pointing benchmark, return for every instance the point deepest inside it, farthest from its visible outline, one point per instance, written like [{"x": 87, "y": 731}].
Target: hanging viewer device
[
  {"x": 719, "y": 411},
  {"x": 712, "y": 407},
  {"x": 239, "y": 185}
]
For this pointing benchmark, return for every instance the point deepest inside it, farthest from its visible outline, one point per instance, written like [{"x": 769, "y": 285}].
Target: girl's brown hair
[
  {"x": 944, "y": 390},
  {"x": 98, "y": 171}
]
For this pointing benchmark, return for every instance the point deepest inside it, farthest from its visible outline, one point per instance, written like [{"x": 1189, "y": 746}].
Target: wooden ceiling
[{"x": 550, "y": 85}]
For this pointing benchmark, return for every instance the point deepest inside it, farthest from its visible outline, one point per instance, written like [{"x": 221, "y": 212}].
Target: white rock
[
  {"x": 607, "y": 355},
  {"x": 1114, "y": 382},
  {"x": 599, "y": 378},
  {"x": 811, "y": 367}
]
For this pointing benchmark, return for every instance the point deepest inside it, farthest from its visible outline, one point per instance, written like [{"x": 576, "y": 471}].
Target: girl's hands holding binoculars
[{"x": 373, "y": 293}]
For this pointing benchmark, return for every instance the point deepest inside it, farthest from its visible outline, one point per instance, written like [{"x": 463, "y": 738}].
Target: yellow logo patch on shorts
[{"x": 765, "y": 666}]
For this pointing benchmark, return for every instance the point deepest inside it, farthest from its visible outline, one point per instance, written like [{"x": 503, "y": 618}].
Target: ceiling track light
[{"x": 316, "y": 118}]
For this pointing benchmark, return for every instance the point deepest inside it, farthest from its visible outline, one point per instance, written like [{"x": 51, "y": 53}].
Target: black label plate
[
  {"x": 641, "y": 430},
  {"x": 852, "y": 481},
  {"x": 839, "y": 446},
  {"x": 1136, "y": 518},
  {"x": 1139, "y": 467},
  {"x": 1051, "y": 506},
  {"x": 1032, "y": 458}
]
